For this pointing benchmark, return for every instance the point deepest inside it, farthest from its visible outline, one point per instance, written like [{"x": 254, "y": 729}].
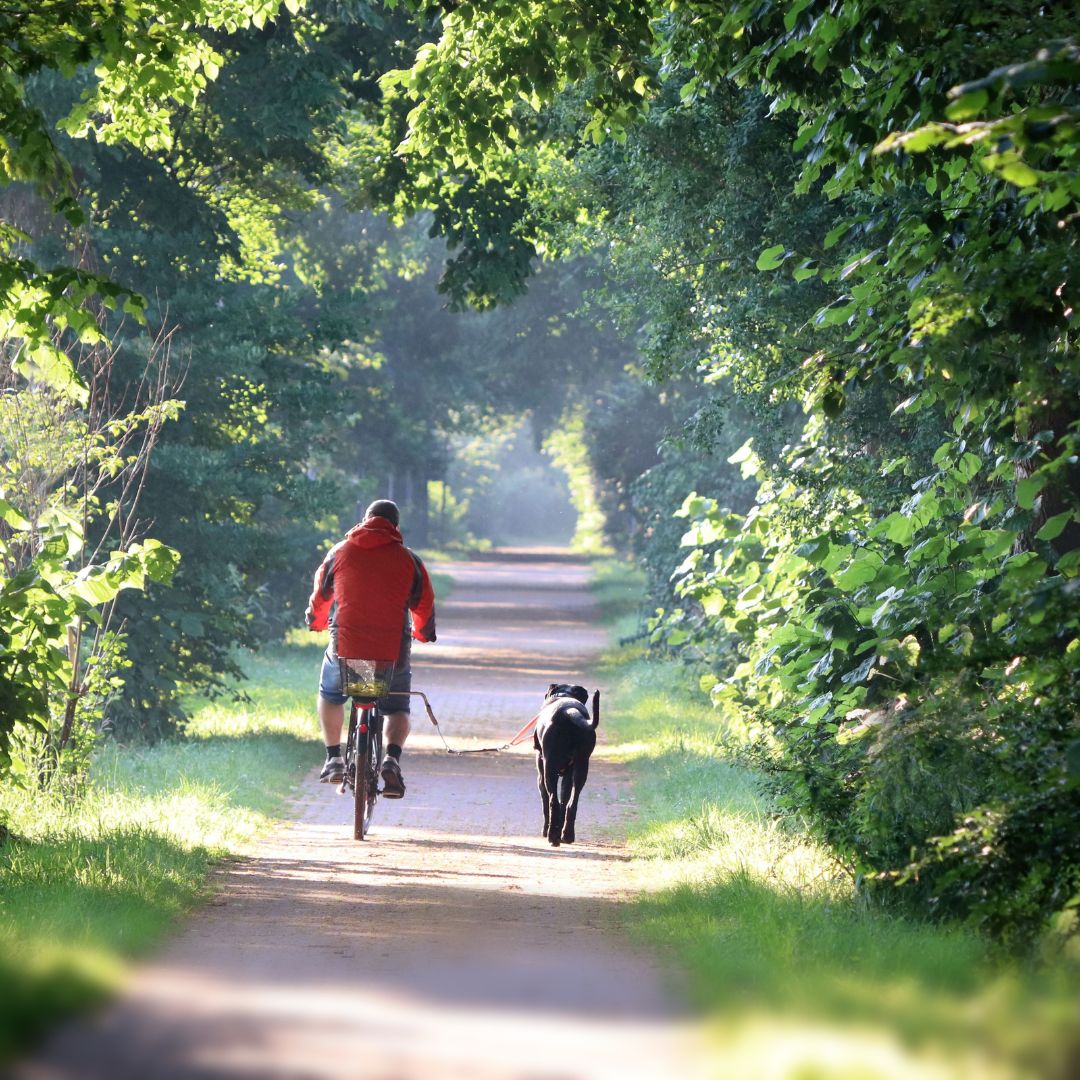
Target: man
[{"x": 364, "y": 590}]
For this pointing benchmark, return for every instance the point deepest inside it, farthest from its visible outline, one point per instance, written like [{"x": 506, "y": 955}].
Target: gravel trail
[{"x": 454, "y": 942}]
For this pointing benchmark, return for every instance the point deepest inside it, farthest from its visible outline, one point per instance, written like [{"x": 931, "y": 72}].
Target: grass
[
  {"x": 441, "y": 581},
  {"x": 89, "y": 882},
  {"x": 799, "y": 978}
]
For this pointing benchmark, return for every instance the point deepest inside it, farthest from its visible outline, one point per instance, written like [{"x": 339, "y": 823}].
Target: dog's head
[{"x": 558, "y": 690}]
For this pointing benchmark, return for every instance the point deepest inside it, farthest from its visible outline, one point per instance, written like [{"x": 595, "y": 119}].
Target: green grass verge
[
  {"x": 799, "y": 978},
  {"x": 89, "y": 882},
  {"x": 618, "y": 587}
]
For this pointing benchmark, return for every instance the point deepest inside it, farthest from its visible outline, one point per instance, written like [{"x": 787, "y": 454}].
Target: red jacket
[{"x": 363, "y": 589}]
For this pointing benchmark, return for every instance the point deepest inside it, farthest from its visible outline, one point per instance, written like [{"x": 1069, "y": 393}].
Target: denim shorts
[{"x": 397, "y": 700}]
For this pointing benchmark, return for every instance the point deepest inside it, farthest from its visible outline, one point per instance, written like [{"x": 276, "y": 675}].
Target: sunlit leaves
[
  {"x": 42, "y": 601},
  {"x": 772, "y": 257},
  {"x": 148, "y": 61}
]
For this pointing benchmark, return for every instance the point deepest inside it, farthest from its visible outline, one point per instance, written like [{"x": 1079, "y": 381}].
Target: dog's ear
[
  {"x": 552, "y": 687},
  {"x": 579, "y": 693}
]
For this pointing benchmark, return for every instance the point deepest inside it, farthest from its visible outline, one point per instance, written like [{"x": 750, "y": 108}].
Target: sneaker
[
  {"x": 393, "y": 784},
  {"x": 333, "y": 772}
]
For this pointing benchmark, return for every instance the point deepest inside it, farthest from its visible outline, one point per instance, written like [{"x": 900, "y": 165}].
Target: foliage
[
  {"x": 71, "y": 540},
  {"x": 867, "y": 210},
  {"x": 567, "y": 447},
  {"x": 225, "y": 228},
  {"x": 148, "y": 63},
  {"x": 41, "y": 602},
  {"x": 889, "y": 722}
]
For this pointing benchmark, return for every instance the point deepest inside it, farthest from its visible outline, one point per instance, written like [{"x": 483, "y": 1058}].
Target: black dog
[{"x": 563, "y": 739}]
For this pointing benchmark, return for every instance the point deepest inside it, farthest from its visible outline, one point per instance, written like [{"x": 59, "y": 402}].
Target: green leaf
[
  {"x": 814, "y": 551},
  {"x": 1054, "y": 526},
  {"x": 713, "y": 604},
  {"x": 832, "y": 237},
  {"x": 914, "y": 142},
  {"x": 772, "y": 257},
  {"x": 97, "y": 589},
  {"x": 12, "y": 518},
  {"x": 742, "y": 454},
  {"x": 899, "y": 528},
  {"x": 861, "y": 673},
  {"x": 863, "y": 568},
  {"x": 1027, "y": 489},
  {"x": 968, "y": 105},
  {"x": 749, "y": 596},
  {"x": 795, "y": 9},
  {"x": 1069, "y": 563},
  {"x": 1016, "y": 172},
  {"x": 52, "y": 366},
  {"x": 968, "y": 466}
]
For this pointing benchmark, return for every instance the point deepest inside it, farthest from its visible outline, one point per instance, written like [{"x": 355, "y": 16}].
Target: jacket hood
[{"x": 373, "y": 532}]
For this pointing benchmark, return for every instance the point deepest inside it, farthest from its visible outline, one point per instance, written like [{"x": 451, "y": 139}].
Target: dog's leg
[
  {"x": 580, "y": 775},
  {"x": 557, "y": 809},
  {"x": 566, "y": 797},
  {"x": 544, "y": 799}
]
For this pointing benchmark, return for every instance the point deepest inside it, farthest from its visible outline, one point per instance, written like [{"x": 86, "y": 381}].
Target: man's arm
[
  {"x": 422, "y": 603},
  {"x": 317, "y": 615}
]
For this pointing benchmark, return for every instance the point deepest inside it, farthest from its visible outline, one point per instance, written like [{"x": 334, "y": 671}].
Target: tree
[
  {"x": 71, "y": 539},
  {"x": 913, "y": 253},
  {"x": 56, "y": 576},
  {"x": 149, "y": 61},
  {"x": 217, "y": 224}
]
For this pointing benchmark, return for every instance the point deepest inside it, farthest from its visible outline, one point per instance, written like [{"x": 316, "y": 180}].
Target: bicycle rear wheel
[{"x": 368, "y": 756}]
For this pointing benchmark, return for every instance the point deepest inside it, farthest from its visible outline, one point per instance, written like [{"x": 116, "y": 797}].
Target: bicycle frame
[{"x": 363, "y": 757}]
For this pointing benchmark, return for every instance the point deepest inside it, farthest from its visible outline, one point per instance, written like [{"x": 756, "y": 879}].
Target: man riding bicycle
[{"x": 365, "y": 590}]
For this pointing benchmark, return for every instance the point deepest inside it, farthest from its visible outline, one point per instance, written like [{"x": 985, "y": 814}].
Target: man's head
[{"x": 383, "y": 508}]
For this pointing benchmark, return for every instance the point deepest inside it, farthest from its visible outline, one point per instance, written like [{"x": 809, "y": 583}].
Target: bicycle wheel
[{"x": 368, "y": 757}]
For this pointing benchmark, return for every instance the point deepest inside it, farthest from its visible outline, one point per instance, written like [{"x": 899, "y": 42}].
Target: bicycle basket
[{"x": 366, "y": 680}]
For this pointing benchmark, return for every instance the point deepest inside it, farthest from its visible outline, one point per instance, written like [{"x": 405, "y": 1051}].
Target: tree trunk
[{"x": 421, "y": 528}]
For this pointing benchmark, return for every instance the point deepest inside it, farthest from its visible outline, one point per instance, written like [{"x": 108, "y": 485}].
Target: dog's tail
[{"x": 596, "y": 708}]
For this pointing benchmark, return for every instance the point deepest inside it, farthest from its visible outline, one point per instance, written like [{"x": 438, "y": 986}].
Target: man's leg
[
  {"x": 396, "y": 727},
  {"x": 331, "y": 706},
  {"x": 331, "y": 719}
]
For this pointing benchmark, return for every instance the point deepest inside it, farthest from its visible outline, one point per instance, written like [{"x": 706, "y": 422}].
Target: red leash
[{"x": 520, "y": 737}]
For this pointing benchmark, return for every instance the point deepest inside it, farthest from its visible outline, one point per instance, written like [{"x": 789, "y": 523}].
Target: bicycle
[{"x": 366, "y": 682}]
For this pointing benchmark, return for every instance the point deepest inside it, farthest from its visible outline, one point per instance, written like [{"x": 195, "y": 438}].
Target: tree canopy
[{"x": 852, "y": 225}]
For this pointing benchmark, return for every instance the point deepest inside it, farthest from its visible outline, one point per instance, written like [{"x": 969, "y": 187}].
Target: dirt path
[{"x": 455, "y": 942}]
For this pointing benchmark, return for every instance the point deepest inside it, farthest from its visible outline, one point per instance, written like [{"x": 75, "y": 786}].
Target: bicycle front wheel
[{"x": 367, "y": 757}]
